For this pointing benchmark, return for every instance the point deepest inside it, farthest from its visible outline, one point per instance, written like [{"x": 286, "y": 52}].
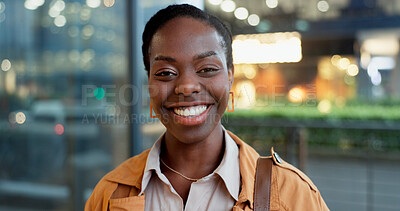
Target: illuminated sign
[{"x": 267, "y": 48}]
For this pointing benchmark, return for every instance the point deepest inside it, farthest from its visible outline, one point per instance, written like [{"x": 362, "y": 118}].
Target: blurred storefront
[{"x": 317, "y": 79}]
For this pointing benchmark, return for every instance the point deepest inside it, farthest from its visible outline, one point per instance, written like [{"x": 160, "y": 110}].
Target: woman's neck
[{"x": 197, "y": 159}]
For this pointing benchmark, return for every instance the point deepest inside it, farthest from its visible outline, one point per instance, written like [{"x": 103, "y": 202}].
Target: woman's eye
[
  {"x": 165, "y": 73},
  {"x": 205, "y": 70}
]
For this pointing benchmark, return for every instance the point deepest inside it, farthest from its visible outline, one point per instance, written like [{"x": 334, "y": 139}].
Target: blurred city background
[{"x": 317, "y": 79}]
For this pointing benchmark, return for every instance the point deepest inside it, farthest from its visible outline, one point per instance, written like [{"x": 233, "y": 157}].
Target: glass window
[{"x": 64, "y": 67}]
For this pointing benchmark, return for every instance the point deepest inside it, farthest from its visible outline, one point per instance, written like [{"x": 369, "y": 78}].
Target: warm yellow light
[
  {"x": 215, "y": 2},
  {"x": 324, "y": 106},
  {"x": 271, "y": 3},
  {"x": 241, "y": 13},
  {"x": 325, "y": 70},
  {"x": 5, "y": 65},
  {"x": 10, "y": 82},
  {"x": 253, "y": 20},
  {"x": 296, "y": 95},
  {"x": 335, "y": 59},
  {"x": 344, "y": 63},
  {"x": 250, "y": 72},
  {"x": 352, "y": 70},
  {"x": 246, "y": 94},
  {"x": 109, "y": 3},
  {"x": 228, "y": 6},
  {"x": 20, "y": 118},
  {"x": 387, "y": 46},
  {"x": 267, "y": 48}
]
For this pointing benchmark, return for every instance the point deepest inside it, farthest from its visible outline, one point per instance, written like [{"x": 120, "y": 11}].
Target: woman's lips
[{"x": 190, "y": 115}]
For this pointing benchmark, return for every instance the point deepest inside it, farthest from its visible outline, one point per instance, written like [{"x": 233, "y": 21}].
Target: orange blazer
[{"x": 291, "y": 189}]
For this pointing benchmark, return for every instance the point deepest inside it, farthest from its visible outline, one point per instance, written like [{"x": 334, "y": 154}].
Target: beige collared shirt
[{"x": 217, "y": 191}]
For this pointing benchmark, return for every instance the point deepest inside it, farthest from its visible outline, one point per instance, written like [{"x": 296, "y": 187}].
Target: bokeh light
[
  {"x": 253, "y": 20},
  {"x": 228, "y": 6},
  {"x": 271, "y": 3},
  {"x": 302, "y": 25},
  {"x": 241, "y": 13},
  {"x": 250, "y": 72},
  {"x": 324, "y": 106},
  {"x": 296, "y": 95},
  {"x": 246, "y": 94},
  {"x": 53, "y": 13},
  {"x": 73, "y": 31},
  {"x": 33, "y": 4},
  {"x": 87, "y": 31},
  {"x": 59, "y": 5},
  {"x": 215, "y": 2},
  {"x": 60, "y": 21},
  {"x": 335, "y": 60},
  {"x": 59, "y": 129},
  {"x": 2, "y": 7},
  {"x": 343, "y": 63},
  {"x": 93, "y": 3},
  {"x": 109, "y": 3},
  {"x": 323, "y": 6},
  {"x": 99, "y": 93},
  {"x": 5, "y": 65},
  {"x": 352, "y": 70},
  {"x": 20, "y": 118},
  {"x": 376, "y": 79}
]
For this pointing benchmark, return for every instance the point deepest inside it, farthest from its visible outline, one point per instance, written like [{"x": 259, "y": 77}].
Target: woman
[{"x": 196, "y": 164}]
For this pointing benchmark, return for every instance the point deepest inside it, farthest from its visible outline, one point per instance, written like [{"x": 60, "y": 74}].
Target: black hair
[{"x": 184, "y": 10}]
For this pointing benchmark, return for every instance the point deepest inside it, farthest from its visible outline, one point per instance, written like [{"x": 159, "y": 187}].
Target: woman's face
[{"x": 189, "y": 81}]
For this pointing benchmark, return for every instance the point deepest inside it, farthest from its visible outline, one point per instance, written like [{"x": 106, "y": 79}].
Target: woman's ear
[{"x": 231, "y": 72}]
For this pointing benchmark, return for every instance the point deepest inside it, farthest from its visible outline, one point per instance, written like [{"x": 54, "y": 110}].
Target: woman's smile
[
  {"x": 190, "y": 111},
  {"x": 191, "y": 115}
]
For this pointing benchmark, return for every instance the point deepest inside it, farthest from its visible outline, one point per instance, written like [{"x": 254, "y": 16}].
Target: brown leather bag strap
[{"x": 262, "y": 186}]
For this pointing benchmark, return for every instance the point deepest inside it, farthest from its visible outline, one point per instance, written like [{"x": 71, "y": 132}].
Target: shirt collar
[
  {"x": 228, "y": 169},
  {"x": 152, "y": 163}
]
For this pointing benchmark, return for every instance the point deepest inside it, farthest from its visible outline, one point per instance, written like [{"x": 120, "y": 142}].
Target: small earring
[
  {"x": 233, "y": 100},
  {"x": 151, "y": 112}
]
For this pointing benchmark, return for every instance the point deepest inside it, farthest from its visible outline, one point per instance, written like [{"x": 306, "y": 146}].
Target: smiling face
[{"x": 189, "y": 80}]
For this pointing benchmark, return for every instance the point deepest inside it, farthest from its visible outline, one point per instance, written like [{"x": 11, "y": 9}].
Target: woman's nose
[{"x": 187, "y": 85}]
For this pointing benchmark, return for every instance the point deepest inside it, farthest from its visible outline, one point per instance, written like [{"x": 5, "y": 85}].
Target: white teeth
[{"x": 190, "y": 111}]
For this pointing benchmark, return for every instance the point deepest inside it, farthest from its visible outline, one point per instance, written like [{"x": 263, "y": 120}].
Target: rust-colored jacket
[{"x": 290, "y": 188}]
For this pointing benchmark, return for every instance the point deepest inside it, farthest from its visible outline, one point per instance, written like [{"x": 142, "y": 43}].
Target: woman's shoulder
[
  {"x": 127, "y": 174},
  {"x": 289, "y": 172},
  {"x": 294, "y": 188},
  {"x": 130, "y": 171}
]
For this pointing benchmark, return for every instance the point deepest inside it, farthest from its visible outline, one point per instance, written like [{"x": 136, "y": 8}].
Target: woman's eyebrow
[
  {"x": 164, "y": 58},
  {"x": 205, "y": 54}
]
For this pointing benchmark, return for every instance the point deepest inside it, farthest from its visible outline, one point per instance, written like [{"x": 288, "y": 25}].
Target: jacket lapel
[{"x": 247, "y": 162}]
